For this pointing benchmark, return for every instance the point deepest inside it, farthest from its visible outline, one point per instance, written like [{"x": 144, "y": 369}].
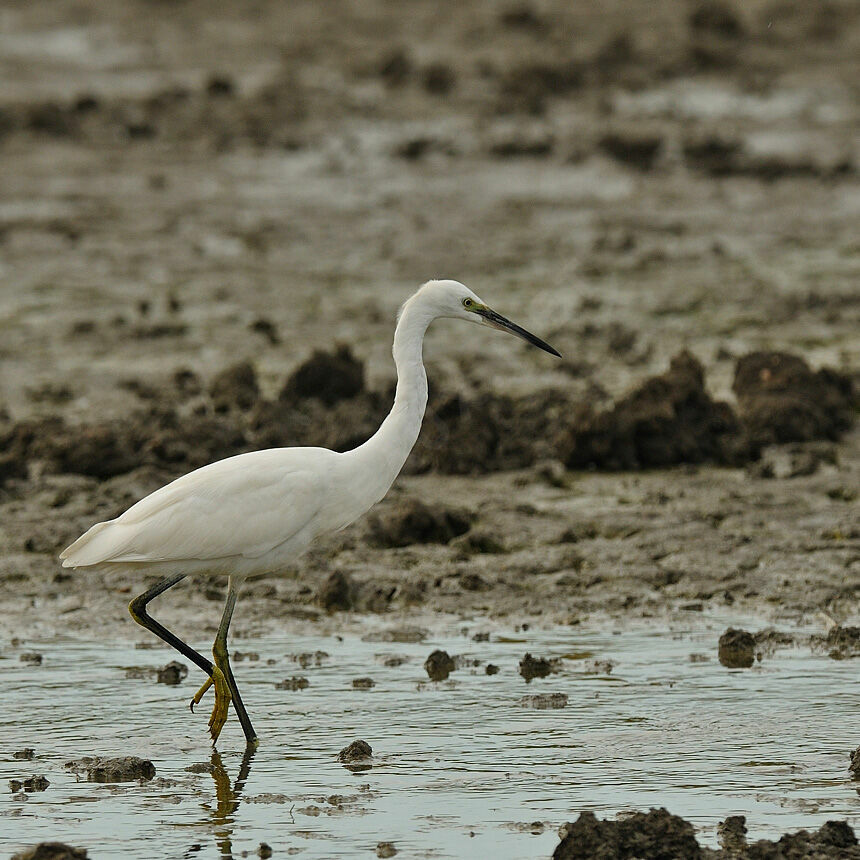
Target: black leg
[
  {"x": 137, "y": 608},
  {"x": 222, "y": 659}
]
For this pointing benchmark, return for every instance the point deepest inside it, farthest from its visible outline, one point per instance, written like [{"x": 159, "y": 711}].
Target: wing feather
[{"x": 240, "y": 507}]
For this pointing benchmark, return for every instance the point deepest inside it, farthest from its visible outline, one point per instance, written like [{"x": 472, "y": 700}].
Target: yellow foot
[
  {"x": 201, "y": 693},
  {"x": 222, "y": 703}
]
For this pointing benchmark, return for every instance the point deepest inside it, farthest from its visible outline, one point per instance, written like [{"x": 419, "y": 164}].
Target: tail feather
[{"x": 101, "y": 543}]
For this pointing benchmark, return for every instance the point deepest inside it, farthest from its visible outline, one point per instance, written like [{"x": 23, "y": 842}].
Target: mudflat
[{"x": 209, "y": 217}]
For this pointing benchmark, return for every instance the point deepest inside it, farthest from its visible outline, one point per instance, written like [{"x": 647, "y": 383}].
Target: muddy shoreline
[{"x": 209, "y": 219}]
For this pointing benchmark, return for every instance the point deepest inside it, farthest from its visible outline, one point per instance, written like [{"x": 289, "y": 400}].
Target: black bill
[{"x": 504, "y": 324}]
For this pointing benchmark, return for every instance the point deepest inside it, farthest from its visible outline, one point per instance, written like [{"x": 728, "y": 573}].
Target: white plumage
[{"x": 255, "y": 512}]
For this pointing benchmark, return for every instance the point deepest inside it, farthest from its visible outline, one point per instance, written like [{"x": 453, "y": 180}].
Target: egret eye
[{"x": 467, "y": 303}]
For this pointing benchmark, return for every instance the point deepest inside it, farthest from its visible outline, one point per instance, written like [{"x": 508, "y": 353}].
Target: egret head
[{"x": 453, "y": 299}]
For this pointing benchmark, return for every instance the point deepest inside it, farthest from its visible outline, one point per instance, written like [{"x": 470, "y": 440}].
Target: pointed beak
[{"x": 495, "y": 320}]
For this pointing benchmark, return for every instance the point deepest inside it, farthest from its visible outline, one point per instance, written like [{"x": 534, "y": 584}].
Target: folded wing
[{"x": 240, "y": 507}]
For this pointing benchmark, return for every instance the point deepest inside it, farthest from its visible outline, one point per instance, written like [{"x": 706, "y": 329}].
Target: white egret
[{"x": 254, "y": 513}]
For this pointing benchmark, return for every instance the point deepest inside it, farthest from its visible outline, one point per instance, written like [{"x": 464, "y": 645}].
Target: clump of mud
[
  {"x": 337, "y": 593},
  {"x": 413, "y": 521},
  {"x": 669, "y": 419},
  {"x": 782, "y": 400},
  {"x": 297, "y": 682},
  {"x": 29, "y": 784},
  {"x": 537, "y": 667},
  {"x": 439, "y": 665},
  {"x": 736, "y": 649},
  {"x": 658, "y": 835},
  {"x": 357, "y": 756},
  {"x": 544, "y": 701},
  {"x": 123, "y": 769},
  {"x": 326, "y": 376},
  {"x": 854, "y": 765},
  {"x": 490, "y": 432},
  {"x": 172, "y": 673},
  {"x": 52, "y": 851},
  {"x": 733, "y": 833},
  {"x": 653, "y": 835},
  {"x": 840, "y": 643},
  {"x": 235, "y": 387}
]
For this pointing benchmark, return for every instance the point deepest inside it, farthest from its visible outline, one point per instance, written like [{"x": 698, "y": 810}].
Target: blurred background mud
[{"x": 209, "y": 215}]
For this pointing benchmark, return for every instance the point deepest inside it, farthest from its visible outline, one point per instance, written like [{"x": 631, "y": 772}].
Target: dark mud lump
[
  {"x": 123, "y": 769},
  {"x": 653, "y": 835},
  {"x": 439, "y": 665},
  {"x": 782, "y": 400},
  {"x": 357, "y": 756},
  {"x": 536, "y": 667},
  {"x": 235, "y": 388},
  {"x": 173, "y": 673},
  {"x": 337, "y": 593},
  {"x": 326, "y": 376},
  {"x": 736, "y": 649},
  {"x": 52, "y": 851},
  {"x": 413, "y": 521},
  {"x": 669, "y": 419}
]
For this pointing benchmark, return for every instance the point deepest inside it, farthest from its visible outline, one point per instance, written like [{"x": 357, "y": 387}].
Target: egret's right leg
[
  {"x": 137, "y": 608},
  {"x": 223, "y": 668}
]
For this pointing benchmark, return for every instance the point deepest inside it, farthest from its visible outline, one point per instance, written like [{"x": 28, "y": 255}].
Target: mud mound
[
  {"x": 490, "y": 432},
  {"x": 669, "y": 419},
  {"x": 439, "y": 665},
  {"x": 326, "y": 376},
  {"x": 337, "y": 592},
  {"x": 413, "y": 521},
  {"x": 123, "y": 769},
  {"x": 658, "y": 835},
  {"x": 782, "y": 400},
  {"x": 654, "y": 835},
  {"x": 52, "y": 851},
  {"x": 537, "y": 667},
  {"x": 309, "y": 421},
  {"x": 181, "y": 443},
  {"x": 840, "y": 643},
  {"x": 235, "y": 388},
  {"x": 736, "y": 649},
  {"x": 358, "y": 756},
  {"x": 156, "y": 437}
]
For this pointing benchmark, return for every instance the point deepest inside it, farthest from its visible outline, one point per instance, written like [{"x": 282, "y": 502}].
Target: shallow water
[{"x": 461, "y": 768}]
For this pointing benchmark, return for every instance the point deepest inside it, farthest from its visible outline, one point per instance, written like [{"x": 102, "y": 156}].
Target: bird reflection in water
[{"x": 227, "y": 798}]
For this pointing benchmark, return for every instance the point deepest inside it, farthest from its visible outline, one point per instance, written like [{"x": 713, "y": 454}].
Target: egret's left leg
[{"x": 228, "y": 691}]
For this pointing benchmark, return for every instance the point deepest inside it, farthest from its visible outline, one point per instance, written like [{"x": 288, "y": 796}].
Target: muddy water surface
[{"x": 460, "y": 768}]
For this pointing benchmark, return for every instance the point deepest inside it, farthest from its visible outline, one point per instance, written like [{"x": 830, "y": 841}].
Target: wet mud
[
  {"x": 52, "y": 851},
  {"x": 122, "y": 769},
  {"x": 205, "y": 245},
  {"x": 737, "y": 649},
  {"x": 658, "y": 834},
  {"x": 439, "y": 665}
]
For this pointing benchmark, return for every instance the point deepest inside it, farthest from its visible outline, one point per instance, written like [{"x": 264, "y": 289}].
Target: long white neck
[{"x": 384, "y": 454}]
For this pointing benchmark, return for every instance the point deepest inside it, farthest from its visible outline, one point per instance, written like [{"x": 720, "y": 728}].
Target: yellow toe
[{"x": 222, "y": 703}]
